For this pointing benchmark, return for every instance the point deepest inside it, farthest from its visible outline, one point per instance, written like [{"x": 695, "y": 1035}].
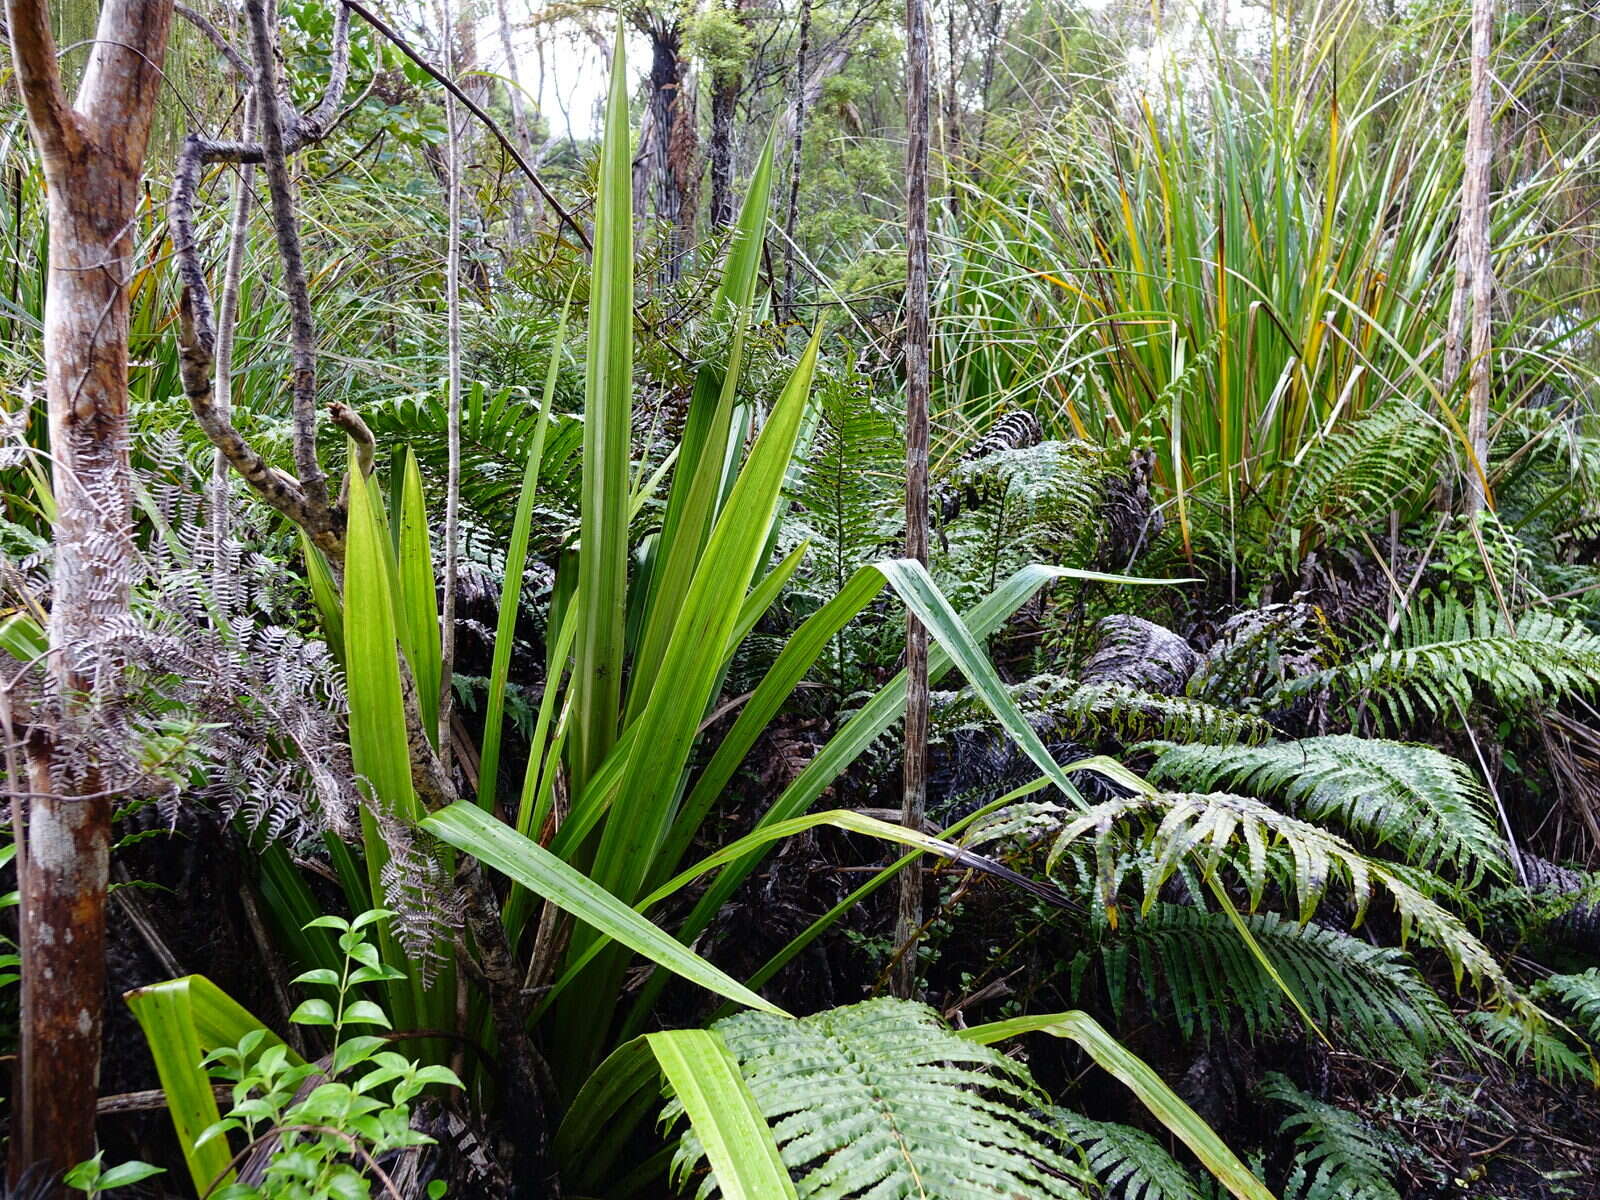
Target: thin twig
[{"x": 476, "y": 110}]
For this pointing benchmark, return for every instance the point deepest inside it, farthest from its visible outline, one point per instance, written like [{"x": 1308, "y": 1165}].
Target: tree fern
[
  {"x": 1369, "y": 997},
  {"x": 1444, "y": 653},
  {"x": 1340, "y": 1157},
  {"x": 1129, "y": 1163},
  {"x": 881, "y": 1099},
  {"x": 1429, "y": 806},
  {"x": 1307, "y": 858}
]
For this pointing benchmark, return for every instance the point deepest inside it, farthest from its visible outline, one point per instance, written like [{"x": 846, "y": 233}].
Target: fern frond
[
  {"x": 1128, "y": 1162},
  {"x": 1578, "y": 994},
  {"x": 1063, "y": 709},
  {"x": 1445, "y": 652},
  {"x": 1531, "y": 1040},
  {"x": 1216, "y": 826},
  {"x": 497, "y": 430},
  {"x": 1340, "y": 1156},
  {"x": 1036, "y": 503},
  {"x": 1195, "y": 961},
  {"x": 847, "y": 495},
  {"x": 1373, "y": 464},
  {"x": 881, "y": 1099},
  {"x": 1428, "y": 805}
]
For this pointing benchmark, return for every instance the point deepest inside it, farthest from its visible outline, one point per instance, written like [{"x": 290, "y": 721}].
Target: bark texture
[
  {"x": 1474, "y": 274},
  {"x": 917, "y": 388},
  {"x": 92, "y": 151}
]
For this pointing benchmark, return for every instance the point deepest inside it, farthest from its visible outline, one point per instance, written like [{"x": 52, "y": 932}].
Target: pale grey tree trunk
[
  {"x": 917, "y": 391},
  {"x": 1474, "y": 283}
]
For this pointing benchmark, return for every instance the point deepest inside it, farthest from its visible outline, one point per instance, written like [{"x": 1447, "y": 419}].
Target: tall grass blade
[{"x": 608, "y": 408}]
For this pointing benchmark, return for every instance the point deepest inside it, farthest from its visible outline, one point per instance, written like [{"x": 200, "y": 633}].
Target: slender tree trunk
[
  {"x": 1475, "y": 253},
  {"x": 917, "y": 389},
  {"x": 663, "y": 140},
  {"x": 92, "y": 151},
  {"x": 726, "y": 84},
  {"x": 519, "y": 126},
  {"x": 452, "y": 501},
  {"x": 792, "y": 209},
  {"x": 952, "y": 118},
  {"x": 724, "y": 99},
  {"x": 227, "y": 321},
  {"x": 993, "y": 12}
]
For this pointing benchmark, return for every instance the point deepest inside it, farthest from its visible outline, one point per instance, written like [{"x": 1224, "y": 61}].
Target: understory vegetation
[{"x": 479, "y": 639}]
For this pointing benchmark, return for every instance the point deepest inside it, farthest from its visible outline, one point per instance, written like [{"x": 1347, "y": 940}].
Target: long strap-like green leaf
[
  {"x": 492, "y": 842},
  {"x": 696, "y": 484},
  {"x": 516, "y": 562},
  {"x": 738, "y": 1141},
  {"x": 860, "y": 731},
  {"x": 607, "y": 430},
  {"x": 1161, "y": 1101}
]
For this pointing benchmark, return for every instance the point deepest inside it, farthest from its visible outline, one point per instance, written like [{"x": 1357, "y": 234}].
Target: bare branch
[
  {"x": 473, "y": 107},
  {"x": 56, "y": 127},
  {"x": 302, "y": 333},
  {"x": 237, "y": 61},
  {"x": 123, "y": 75}
]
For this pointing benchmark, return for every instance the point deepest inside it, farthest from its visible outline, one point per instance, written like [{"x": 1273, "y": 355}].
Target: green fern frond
[
  {"x": 1128, "y": 1162},
  {"x": 1527, "y": 1038},
  {"x": 1061, "y": 708},
  {"x": 1577, "y": 994},
  {"x": 1428, "y": 805},
  {"x": 1374, "y": 464},
  {"x": 1340, "y": 1156},
  {"x": 881, "y": 1099},
  {"x": 847, "y": 492},
  {"x": 1035, "y": 503},
  {"x": 1368, "y": 996},
  {"x": 497, "y": 430},
  {"x": 1215, "y": 827},
  {"x": 1444, "y": 653}
]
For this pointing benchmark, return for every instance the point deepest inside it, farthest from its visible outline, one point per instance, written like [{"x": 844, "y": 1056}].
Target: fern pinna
[
  {"x": 1431, "y": 808},
  {"x": 882, "y": 1099},
  {"x": 1444, "y": 654}
]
